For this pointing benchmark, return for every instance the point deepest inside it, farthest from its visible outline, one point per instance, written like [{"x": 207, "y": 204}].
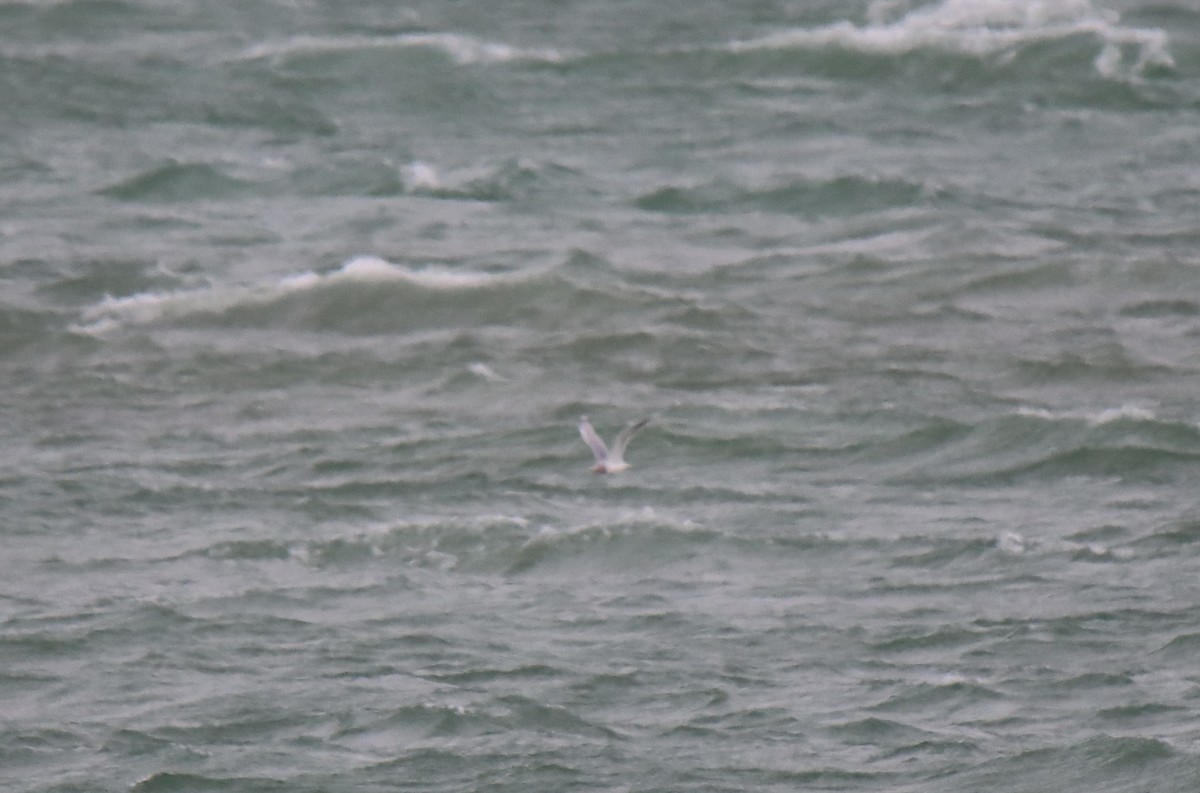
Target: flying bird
[{"x": 609, "y": 461}]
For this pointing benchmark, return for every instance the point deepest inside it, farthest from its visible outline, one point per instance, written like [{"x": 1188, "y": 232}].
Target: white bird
[{"x": 609, "y": 461}]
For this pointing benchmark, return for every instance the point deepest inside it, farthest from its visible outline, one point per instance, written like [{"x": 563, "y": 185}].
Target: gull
[{"x": 609, "y": 461}]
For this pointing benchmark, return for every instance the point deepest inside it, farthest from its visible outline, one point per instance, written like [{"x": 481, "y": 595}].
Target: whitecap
[
  {"x": 1093, "y": 418},
  {"x": 463, "y": 49},
  {"x": 1122, "y": 413},
  {"x": 373, "y": 268},
  {"x": 983, "y": 28},
  {"x": 420, "y": 176},
  {"x": 1011, "y": 542},
  {"x": 145, "y": 308},
  {"x": 468, "y": 50},
  {"x": 485, "y": 372}
]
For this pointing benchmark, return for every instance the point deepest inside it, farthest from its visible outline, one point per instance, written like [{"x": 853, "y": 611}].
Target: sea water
[{"x": 302, "y": 302}]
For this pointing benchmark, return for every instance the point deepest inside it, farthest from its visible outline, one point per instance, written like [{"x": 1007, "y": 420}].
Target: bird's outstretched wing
[
  {"x": 593, "y": 440},
  {"x": 622, "y": 440}
]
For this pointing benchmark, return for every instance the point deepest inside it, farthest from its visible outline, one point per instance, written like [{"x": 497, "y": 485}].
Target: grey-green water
[{"x": 302, "y": 302}]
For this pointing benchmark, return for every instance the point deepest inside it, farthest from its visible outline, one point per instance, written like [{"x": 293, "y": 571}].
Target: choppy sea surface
[{"x": 301, "y": 302}]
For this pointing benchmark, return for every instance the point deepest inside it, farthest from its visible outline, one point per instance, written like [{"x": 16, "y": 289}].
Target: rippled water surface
[{"x": 302, "y": 302}]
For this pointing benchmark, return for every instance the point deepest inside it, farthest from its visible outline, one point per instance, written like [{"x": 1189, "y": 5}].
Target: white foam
[
  {"x": 299, "y": 282},
  {"x": 1124, "y": 412},
  {"x": 373, "y": 268},
  {"x": 369, "y": 268},
  {"x": 485, "y": 372},
  {"x": 1092, "y": 418},
  {"x": 982, "y": 28},
  {"x": 146, "y": 308},
  {"x": 468, "y": 50},
  {"x": 420, "y": 176},
  {"x": 1012, "y": 543},
  {"x": 462, "y": 49}
]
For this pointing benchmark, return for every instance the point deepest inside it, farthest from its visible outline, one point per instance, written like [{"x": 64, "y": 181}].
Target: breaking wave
[
  {"x": 463, "y": 49},
  {"x": 370, "y": 272},
  {"x": 982, "y": 28}
]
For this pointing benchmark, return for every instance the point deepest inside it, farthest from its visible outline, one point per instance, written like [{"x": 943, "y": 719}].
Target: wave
[
  {"x": 621, "y": 541},
  {"x": 362, "y": 276},
  {"x": 465, "y": 50},
  {"x": 505, "y": 544},
  {"x": 842, "y": 195},
  {"x": 176, "y": 181},
  {"x": 1101, "y": 762},
  {"x": 1093, "y": 418},
  {"x": 368, "y": 295},
  {"x": 1126, "y": 442},
  {"x": 995, "y": 28},
  {"x": 508, "y": 180},
  {"x": 173, "y": 181},
  {"x": 943, "y": 696},
  {"x": 629, "y": 541}
]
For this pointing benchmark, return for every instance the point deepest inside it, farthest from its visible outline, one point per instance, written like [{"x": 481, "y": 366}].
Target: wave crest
[
  {"x": 982, "y": 28},
  {"x": 463, "y": 49},
  {"x": 147, "y": 308}
]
